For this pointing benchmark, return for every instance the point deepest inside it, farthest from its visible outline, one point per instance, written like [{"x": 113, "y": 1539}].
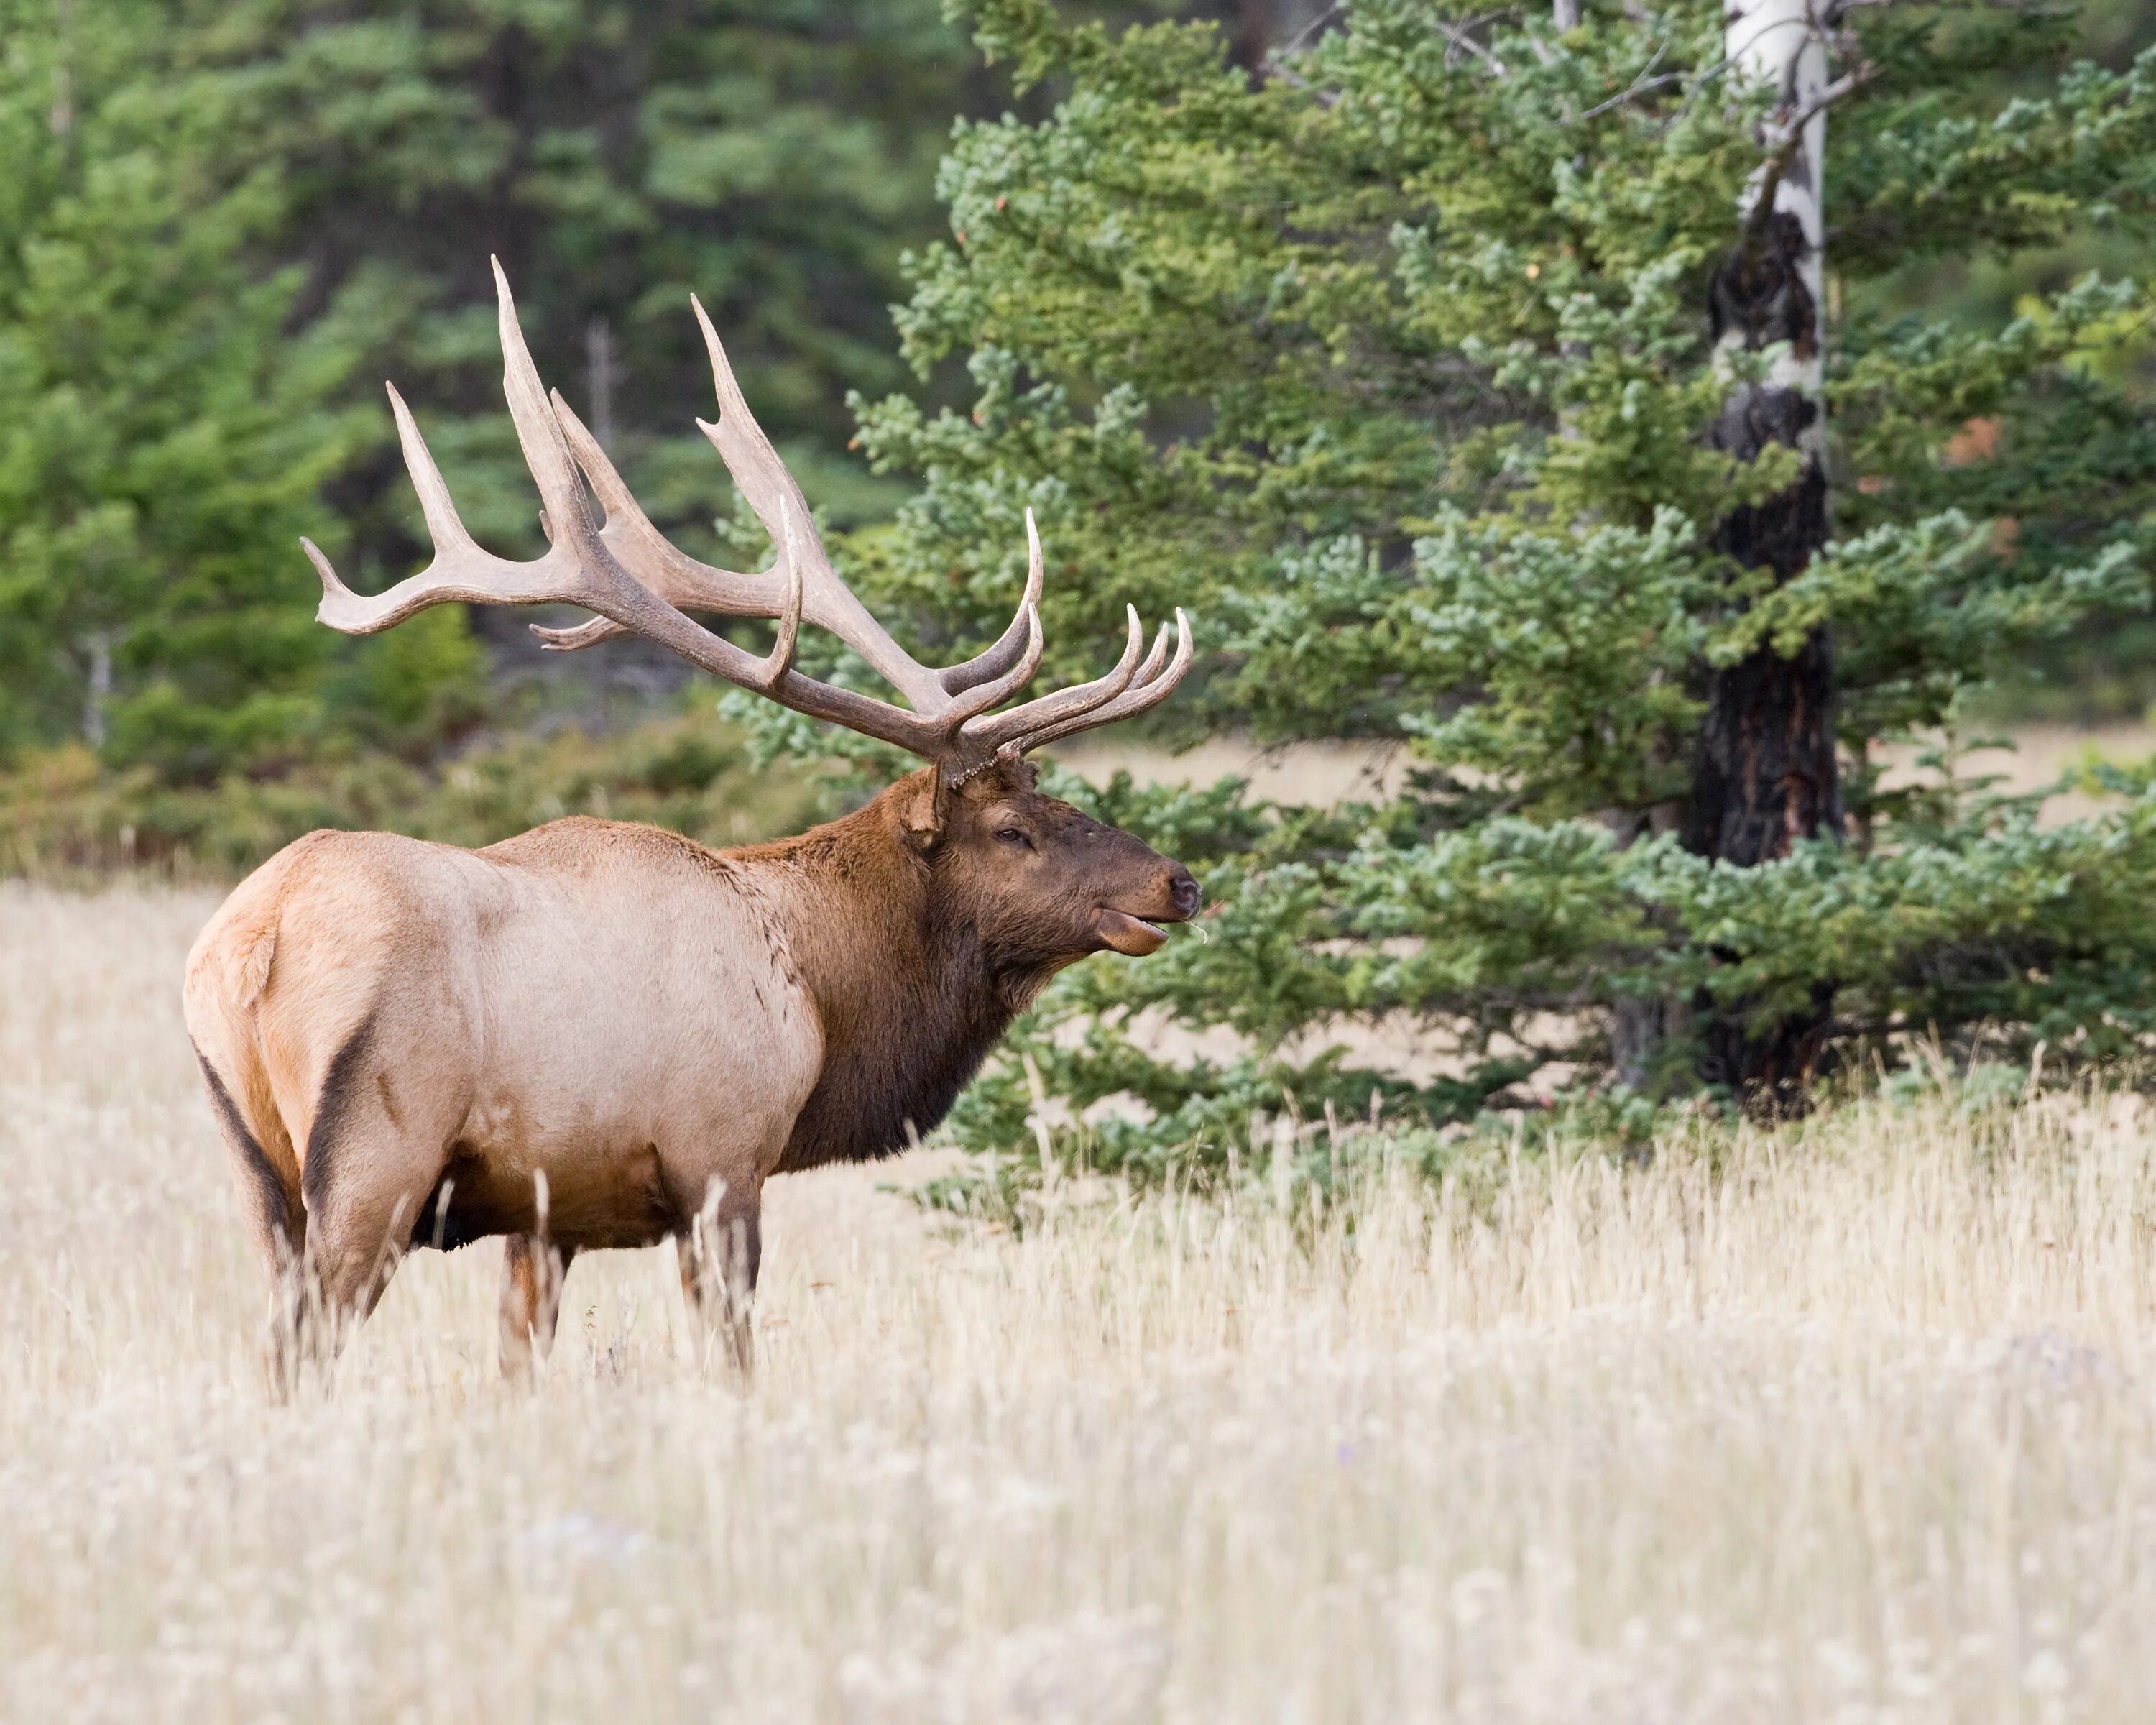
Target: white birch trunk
[{"x": 1780, "y": 43}]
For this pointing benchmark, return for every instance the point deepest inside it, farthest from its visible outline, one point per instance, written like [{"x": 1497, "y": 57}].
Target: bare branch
[
  {"x": 1639, "y": 86},
  {"x": 1787, "y": 137}
]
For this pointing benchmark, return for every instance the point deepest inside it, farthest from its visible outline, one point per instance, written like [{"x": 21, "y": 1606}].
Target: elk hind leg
[
  {"x": 276, "y": 1219},
  {"x": 370, "y": 1163},
  {"x": 533, "y": 1270},
  {"x": 720, "y": 1253}
]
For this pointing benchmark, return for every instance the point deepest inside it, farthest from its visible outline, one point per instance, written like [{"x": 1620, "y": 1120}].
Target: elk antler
[{"x": 638, "y": 583}]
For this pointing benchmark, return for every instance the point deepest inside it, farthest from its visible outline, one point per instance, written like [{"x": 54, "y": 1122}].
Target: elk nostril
[{"x": 1183, "y": 893}]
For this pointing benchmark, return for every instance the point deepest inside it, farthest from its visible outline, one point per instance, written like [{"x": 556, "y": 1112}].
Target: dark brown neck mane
[{"x": 910, "y": 997}]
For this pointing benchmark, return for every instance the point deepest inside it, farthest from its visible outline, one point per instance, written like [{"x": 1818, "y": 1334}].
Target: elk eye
[{"x": 1011, "y": 835}]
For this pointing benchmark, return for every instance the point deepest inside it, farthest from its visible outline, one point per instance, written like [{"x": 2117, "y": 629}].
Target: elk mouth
[{"x": 1129, "y": 935}]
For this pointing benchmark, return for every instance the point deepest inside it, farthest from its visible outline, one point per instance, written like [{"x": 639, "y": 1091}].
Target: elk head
[
  {"x": 1041, "y": 884},
  {"x": 637, "y": 583}
]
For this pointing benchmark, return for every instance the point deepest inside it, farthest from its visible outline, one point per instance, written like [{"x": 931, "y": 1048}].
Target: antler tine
[
  {"x": 443, "y": 525},
  {"x": 577, "y": 636},
  {"x": 1146, "y": 692},
  {"x": 989, "y": 733},
  {"x": 747, "y": 452},
  {"x": 547, "y": 452},
  {"x": 455, "y": 553},
  {"x": 763, "y": 478},
  {"x": 1010, "y": 645},
  {"x": 780, "y": 662},
  {"x": 688, "y": 584},
  {"x": 1146, "y": 673},
  {"x": 1150, "y": 669},
  {"x": 980, "y": 698}
]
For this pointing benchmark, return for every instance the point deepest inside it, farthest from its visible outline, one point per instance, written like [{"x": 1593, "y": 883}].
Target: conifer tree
[
  {"x": 1424, "y": 368},
  {"x": 164, "y": 431},
  {"x": 775, "y": 160}
]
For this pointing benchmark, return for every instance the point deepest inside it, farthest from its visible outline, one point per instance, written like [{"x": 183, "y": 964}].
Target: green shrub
[{"x": 63, "y": 815}]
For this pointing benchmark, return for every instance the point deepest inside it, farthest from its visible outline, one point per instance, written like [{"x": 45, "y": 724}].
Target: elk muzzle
[{"x": 1134, "y": 934}]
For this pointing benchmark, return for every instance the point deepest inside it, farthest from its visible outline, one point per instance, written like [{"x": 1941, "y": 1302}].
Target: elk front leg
[
  {"x": 533, "y": 1270},
  {"x": 720, "y": 1252}
]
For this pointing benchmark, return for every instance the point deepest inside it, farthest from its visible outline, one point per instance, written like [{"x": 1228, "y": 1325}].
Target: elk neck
[{"x": 910, "y": 997}]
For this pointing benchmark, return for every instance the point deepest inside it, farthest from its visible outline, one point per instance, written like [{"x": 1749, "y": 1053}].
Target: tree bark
[
  {"x": 1765, "y": 773},
  {"x": 1251, "y": 30}
]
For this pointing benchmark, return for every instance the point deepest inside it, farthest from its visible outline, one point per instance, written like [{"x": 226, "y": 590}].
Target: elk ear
[{"x": 920, "y": 810}]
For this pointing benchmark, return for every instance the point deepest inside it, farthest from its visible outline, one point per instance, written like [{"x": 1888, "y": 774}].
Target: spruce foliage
[
  {"x": 225, "y": 222},
  {"x": 1392, "y": 364},
  {"x": 164, "y": 436}
]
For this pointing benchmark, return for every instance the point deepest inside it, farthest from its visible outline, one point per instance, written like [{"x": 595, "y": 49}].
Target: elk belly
[{"x": 590, "y": 1201}]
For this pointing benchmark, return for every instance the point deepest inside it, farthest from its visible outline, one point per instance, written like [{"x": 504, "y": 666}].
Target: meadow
[{"x": 1856, "y": 1421}]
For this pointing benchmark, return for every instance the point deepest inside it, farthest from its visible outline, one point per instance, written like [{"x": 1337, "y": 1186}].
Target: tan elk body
[{"x": 601, "y": 1035}]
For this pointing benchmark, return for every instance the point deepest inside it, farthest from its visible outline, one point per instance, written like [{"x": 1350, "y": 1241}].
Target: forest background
[{"x": 223, "y": 225}]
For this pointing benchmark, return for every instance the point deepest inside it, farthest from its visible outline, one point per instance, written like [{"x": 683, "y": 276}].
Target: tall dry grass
[{"x": 1857, "y": 1427}]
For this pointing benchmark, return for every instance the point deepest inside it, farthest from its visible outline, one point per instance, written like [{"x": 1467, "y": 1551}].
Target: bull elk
[{"x": 600, "y": 1035}]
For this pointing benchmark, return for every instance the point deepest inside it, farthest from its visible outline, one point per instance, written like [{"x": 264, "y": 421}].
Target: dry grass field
[{"x": 1855, "y": 1426}]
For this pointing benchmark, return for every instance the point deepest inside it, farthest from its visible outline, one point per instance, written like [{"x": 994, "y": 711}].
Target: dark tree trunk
[
  {"x": 1251, "y": 30},
  {"x": 1765, "y": 774}
]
